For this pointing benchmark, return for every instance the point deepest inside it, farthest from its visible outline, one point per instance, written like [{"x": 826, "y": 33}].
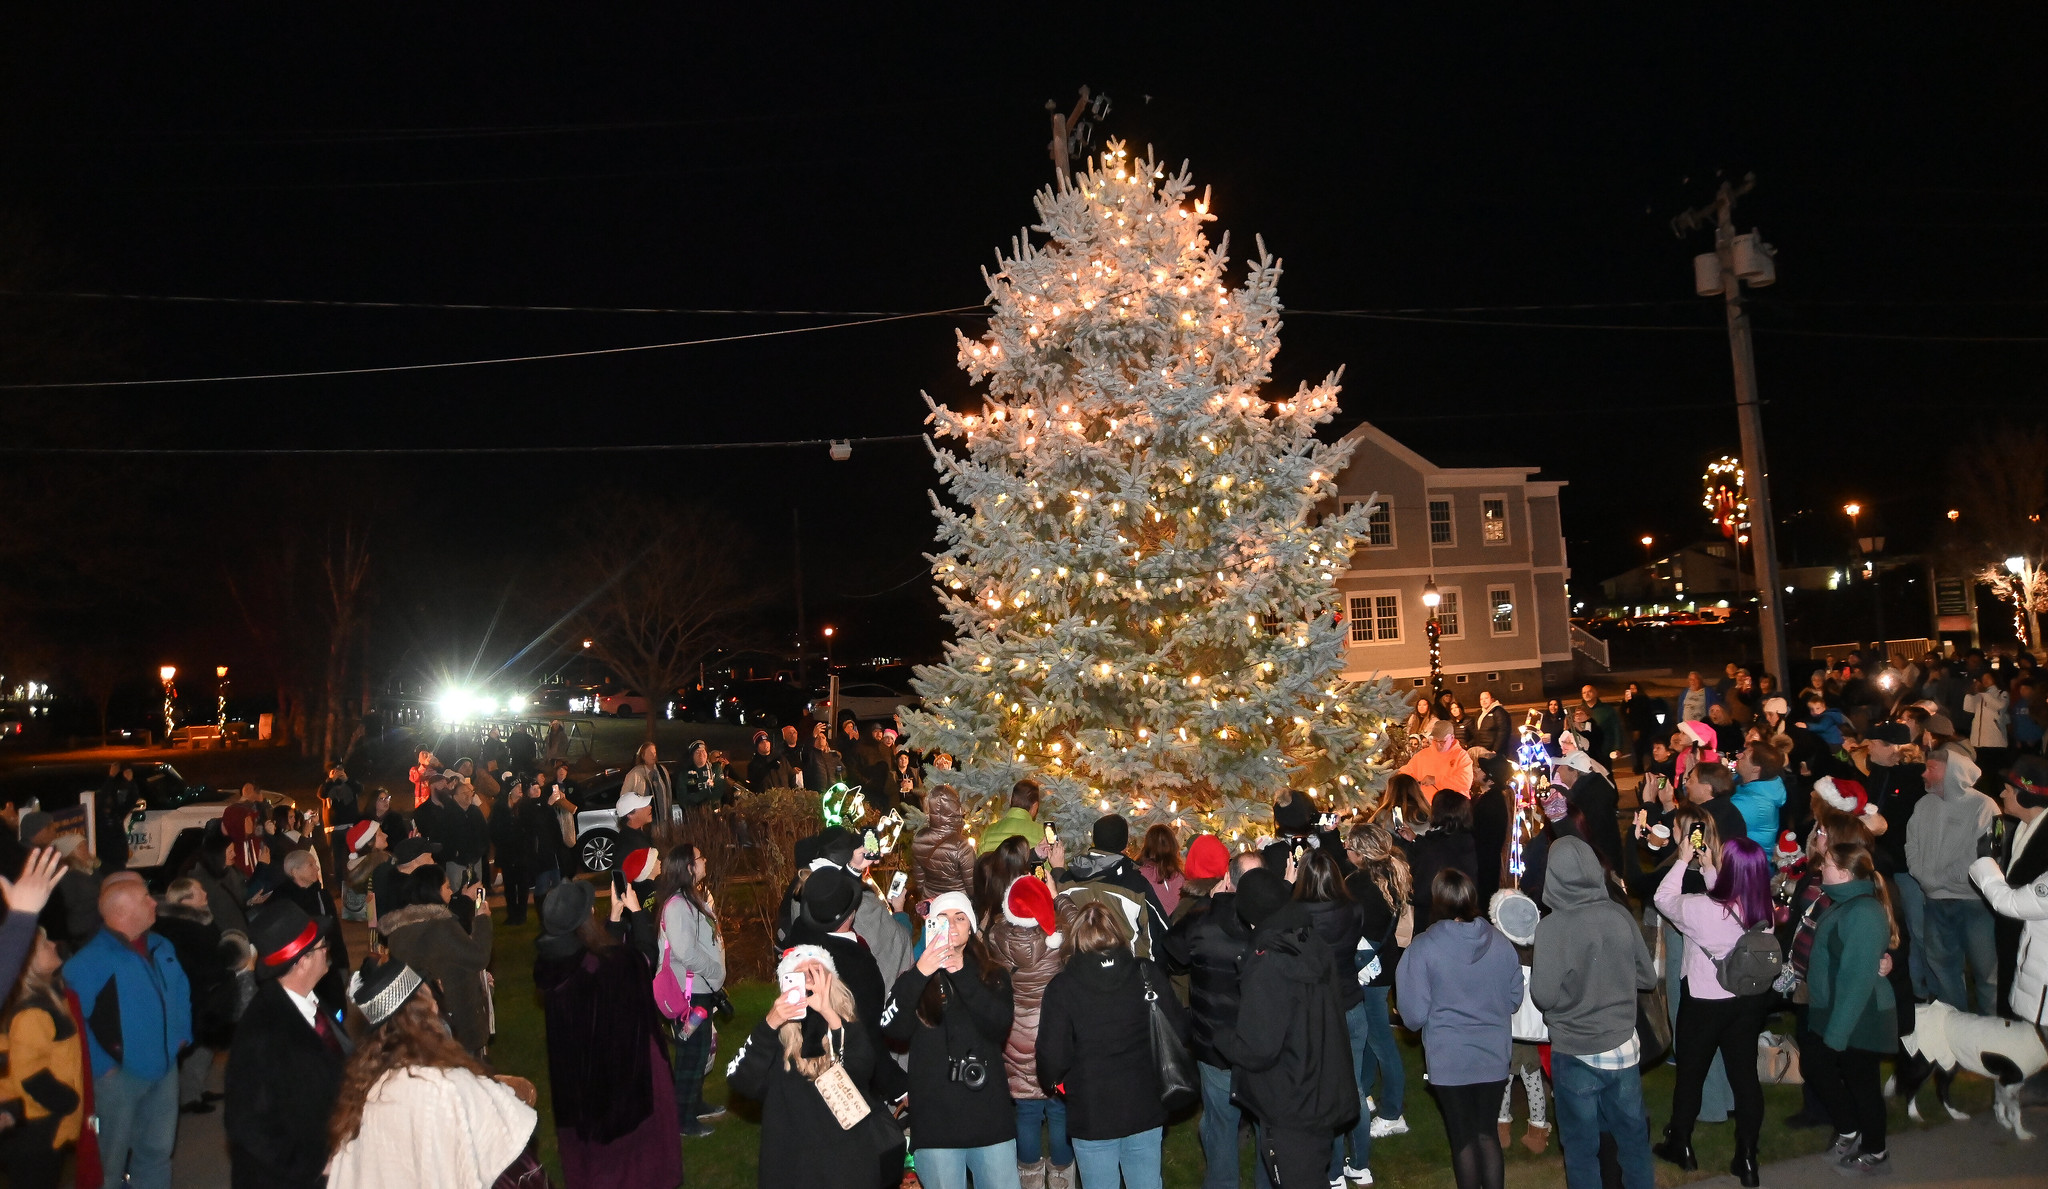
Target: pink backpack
[{"x": 671, "y": 997}]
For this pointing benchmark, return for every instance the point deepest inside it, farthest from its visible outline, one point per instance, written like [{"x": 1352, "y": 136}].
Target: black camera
[{"x": 969, "y": 1071}]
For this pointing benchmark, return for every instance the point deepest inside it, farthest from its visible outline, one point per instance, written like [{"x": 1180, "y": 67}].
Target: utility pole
[
  {"x": 1735, "y": 259},
  {"x": 1072, "y": 133},
  {"x": 796, "y": 539}
]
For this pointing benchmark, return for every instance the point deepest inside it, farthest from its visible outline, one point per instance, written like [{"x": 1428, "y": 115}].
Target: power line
[
  {"x": 351, "y": 451},
  {"x": 314, "y": 302},
  {"x": 454, "y": 363}
]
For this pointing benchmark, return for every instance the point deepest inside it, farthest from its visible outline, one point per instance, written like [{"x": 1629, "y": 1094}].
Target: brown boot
[
  {"x": 1060, "y": 1176},
  {"x": 1505, "y": 1135},
  {"x": 1032, "y": 1176},
  {"x": 1536, "y": 1139}
]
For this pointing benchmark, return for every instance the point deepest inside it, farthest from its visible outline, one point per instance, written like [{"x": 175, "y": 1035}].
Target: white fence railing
[{"x": 1590, "y": 646}]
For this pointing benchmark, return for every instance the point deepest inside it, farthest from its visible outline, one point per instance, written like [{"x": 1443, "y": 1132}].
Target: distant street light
[
  {"x": 828, "y": 649},
  {"x": 588, "y": 643}
]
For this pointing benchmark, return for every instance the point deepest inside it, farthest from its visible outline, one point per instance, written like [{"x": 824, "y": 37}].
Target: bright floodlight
[
  {"x": 2015, "y": 564},
  {"x": 167, "y": 672}
]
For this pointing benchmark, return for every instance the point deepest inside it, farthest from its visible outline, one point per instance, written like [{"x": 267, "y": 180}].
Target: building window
[
  {"x": 1269, "y": 625},
  {"x": 1440, "y": 523},
  {"x": 1376, "y": 618},
  {"x": 1493, "y": 519},
  {"x": 1717, "y": 551},
  {"x": 1501, "y": 601},
  {"x": 1449, "y": 626},
  {"x": 1379, "y": 526}
]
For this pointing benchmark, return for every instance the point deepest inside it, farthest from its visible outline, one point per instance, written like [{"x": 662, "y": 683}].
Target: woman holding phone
[
  {"x": 426, "y": 936},
  {"x": 696, "y": 956},
  {"x": 811, "y": 1046},
  {"x": 1712, "y": 1019},
  {"x": 954, "y": 1008}
]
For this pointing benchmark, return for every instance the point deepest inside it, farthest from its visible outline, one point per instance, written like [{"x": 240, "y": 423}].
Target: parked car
[
  {"x": 868, "y": 699},
  {"x": 597, "y": 826},
  {"x": 167, "y": 823},
  {"x": 12, "y": 726},
  {"x": 625, "y": 703}
]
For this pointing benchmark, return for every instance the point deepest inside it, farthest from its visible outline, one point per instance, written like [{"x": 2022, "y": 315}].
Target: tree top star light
[{"x": 1143, "y": 597}]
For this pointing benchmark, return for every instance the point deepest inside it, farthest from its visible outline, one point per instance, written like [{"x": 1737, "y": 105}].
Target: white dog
[{"x": 1944, "y": 1040}]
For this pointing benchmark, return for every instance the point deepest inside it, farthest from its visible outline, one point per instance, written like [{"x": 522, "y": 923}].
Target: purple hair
[{"x": 1744, "y": 883}]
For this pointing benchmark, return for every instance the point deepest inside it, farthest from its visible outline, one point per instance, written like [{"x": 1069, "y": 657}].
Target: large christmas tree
[{"x": 1144, "y": 600}]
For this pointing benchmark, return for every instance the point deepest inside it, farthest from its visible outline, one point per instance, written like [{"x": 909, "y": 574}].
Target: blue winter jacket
[{"x": 138, "y": 1013}]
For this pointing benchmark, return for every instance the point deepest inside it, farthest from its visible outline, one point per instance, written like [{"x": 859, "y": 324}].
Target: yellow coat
[{"x": 42, "y": 1042}]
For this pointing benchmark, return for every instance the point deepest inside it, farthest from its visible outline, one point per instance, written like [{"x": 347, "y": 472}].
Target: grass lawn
[{"x": 1419, "y": 1159}]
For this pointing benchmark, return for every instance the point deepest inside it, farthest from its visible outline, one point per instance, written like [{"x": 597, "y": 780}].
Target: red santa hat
[
  {"x": 1029, "y": 902},
  {"x": 1844, "y": 795},
  {"x": 639, "y": 865},
  {"x": 361, "y": 835},
  {"x": 1788, "y": 847}
]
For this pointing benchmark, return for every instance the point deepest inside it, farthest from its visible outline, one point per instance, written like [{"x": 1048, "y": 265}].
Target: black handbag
[{"x": 1180, "y": 1084}]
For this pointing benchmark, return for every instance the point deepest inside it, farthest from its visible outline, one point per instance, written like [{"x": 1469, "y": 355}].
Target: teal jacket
[{"x": 1851, "y": 1006}]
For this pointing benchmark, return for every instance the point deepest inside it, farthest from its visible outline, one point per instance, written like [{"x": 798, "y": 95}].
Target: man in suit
[{"x": 285, "y": 1068}]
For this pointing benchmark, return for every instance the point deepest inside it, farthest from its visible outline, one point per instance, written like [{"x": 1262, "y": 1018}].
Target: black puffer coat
[
  {"x": 1338, "y": 924},
  {"x": 1206, "y": 947},
  {"x": 1094, "y": 1038},
  {"x": 1290, "y": 1055}
]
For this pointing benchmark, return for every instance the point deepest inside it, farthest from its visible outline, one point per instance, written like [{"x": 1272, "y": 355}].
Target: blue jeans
[
  {"x": 1960, "y": 931},
  {"x": 138, "y": 1127},
  {"x": 1220, "y": 1119},
  {"x": 1590, "y": 1101},
  {"x": 1913, "y": 907},
  {"x": 1376, "y": 1063},
  {"x": 1052, "y": 1114},
  {"x": 994, "y": 1167},
  {"x": 544, "y": 883},
  {"x": 1135, "y": 1156}
]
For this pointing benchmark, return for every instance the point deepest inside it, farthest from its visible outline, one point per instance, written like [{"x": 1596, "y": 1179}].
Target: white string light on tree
[{"x": 1143, "y": 598}]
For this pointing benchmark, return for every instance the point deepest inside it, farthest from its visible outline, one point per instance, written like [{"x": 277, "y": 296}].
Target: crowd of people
[{"x": 1010, "y": 1014}]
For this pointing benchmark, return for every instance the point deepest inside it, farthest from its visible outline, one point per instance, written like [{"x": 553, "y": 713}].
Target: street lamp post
[
  {"x": 828, "y": 649},
  {"x": 1434, "y": 630},
  {"x": 166, "y": 674},
  {"x": 220, "y": 694},
  {"x": 1852, "y": 511}
]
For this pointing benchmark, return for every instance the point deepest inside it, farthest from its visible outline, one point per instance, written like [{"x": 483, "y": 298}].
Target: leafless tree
[
  {"x": 2001, "y": 494},
  {"x": 674, "y": 591}
]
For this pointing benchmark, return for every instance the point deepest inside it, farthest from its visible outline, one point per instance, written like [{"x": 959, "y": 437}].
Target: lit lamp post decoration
[
  {"x": 220, "y": 695},
  {"x": 1532, "y": 768},
  {"x": 2025, "y": 586},
  {"x": 1434, "y": 630},
  {"x": 1725, "y": 500},
  {"x": 166, "y": 674}
]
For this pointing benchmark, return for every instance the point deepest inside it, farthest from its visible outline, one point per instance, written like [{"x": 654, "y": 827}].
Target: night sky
[{"x": 1429, "y": 162}]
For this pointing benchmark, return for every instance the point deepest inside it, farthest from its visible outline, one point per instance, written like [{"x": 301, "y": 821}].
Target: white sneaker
[
  {"x": 1382, "y": 1128},
  {"x": 1357, "y": 1176}
]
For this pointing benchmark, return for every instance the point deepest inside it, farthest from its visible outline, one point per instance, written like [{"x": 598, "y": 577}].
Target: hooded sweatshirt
[
  {"x": 1459, "y": 984},
  {"x": 1590, "y": 956},
  {"x": 1941, "y": 837}
]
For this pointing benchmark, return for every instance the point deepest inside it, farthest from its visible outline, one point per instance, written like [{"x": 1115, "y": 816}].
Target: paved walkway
[{"x": 1978, "y": 1154}]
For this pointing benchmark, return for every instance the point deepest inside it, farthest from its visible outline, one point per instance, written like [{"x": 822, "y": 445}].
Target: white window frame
[
  {"x": 1507, "y": 533},
  {"x": 1455, "y": 596},
  {"x": 1514, "y": 611},
  {"x": 1393, "y": 530},
  {"x": 1372, "y": 597},
  {"x": 1429, "y": 504}
]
